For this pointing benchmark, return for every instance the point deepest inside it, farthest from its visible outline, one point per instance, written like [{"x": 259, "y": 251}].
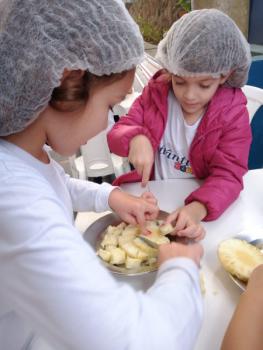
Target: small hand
[
  {"x": 133, "y": 210},
  {"x": 174, "y": 250},
  {"x": 187, "y": 221},
  {"x": 141, "y": 156}
]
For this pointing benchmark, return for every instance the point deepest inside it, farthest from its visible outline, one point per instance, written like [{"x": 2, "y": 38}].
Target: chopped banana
[{"x": 239, "y": 257}]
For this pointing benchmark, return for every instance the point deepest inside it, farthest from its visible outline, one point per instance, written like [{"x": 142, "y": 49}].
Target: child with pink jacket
[{"x": 191, "y": 119}]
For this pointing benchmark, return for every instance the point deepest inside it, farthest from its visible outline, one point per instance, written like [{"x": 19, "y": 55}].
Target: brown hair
[{"x": 74, "y": 90}]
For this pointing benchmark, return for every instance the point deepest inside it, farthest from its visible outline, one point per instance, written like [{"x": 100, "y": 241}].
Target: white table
[{"x": 244, "y": 215}]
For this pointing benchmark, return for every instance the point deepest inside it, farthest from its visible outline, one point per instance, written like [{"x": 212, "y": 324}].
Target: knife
[{"x": 149, "y": 242}]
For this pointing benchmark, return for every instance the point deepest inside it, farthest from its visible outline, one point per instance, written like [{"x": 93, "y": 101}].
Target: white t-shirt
[
  {"x": 172, "y": 156},
  {"x": 53, "y": 285}
]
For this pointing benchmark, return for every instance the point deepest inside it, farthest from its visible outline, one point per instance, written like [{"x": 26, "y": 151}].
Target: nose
[{"x": 189, "y": 94}]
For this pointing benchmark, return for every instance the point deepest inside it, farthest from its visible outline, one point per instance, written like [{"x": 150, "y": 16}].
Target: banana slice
[{"x": 239, "y": 257}]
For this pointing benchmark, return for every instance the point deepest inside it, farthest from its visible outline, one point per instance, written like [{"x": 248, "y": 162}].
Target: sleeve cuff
[
  {"x": 185, "y": 264},
  {"x": 102, "y": 202}
]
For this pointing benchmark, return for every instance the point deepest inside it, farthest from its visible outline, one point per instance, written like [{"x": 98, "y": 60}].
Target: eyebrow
[{"x": 201, "y": 80}]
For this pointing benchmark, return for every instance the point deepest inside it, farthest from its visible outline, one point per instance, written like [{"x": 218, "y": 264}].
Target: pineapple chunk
[
  {"x": 104, "y": 254},
  {"x": 109, "y": 239},
  {"x": 130, "y": 249},
  {"x": 133, "y": 251},
  {"x": 165, "y": 229},
  {"x": 151, "y": 252},
  {"x": 239, "y": 257},
  {"x": 153, "y": 226},
  {"x": 132, "y": 263},
  {"x": 117, "y": 256},
  {"x": 159, "y": 239},
  {"x": 124, "y": 239}
]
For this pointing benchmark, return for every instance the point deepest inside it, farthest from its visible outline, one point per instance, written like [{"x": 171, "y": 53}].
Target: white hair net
[
  {"x": 206, "y": 42},
  {"x": 40, "y": 38}
]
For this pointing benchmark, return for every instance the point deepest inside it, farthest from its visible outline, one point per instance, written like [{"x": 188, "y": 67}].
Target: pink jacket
[{"x": 218, "y": 153}]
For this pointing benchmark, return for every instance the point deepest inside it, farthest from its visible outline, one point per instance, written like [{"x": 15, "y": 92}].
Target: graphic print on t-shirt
[
  {"x": 172, "y": 156},
  {"x": 180, "y": 163}
]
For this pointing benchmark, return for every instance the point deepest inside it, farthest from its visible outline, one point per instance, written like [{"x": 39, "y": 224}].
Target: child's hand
[
  {"x": 187, "y": 221},
  {"x": 142, "y": 157},
  {"x": 134, "y": 210},
  {"x": 174, "y": 250},
  {"x": 149, "y": 197}
]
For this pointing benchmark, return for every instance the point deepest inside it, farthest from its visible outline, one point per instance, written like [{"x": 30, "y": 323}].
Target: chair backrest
[
  {"x": 255, "y": 77},
  {"x": 254, "y": 97},
  {"x": 123, "y": 107},
  {"x": 97, "y": 157},
  {"x": 67, "y": 163},
  {"x": 145, "y": 71}
]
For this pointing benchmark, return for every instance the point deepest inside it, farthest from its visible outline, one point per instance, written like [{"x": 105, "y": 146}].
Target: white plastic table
[{"x": 244, "y": 216}]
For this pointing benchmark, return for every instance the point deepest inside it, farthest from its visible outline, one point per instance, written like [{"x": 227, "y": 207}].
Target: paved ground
[{"x": 150, "y": 48}]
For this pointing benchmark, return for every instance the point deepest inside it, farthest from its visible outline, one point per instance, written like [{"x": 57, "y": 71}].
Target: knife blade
[{"x": 149, "y": 242}]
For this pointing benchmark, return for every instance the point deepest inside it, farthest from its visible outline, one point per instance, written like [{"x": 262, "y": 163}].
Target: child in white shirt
[{"x": 63, "y": 65}]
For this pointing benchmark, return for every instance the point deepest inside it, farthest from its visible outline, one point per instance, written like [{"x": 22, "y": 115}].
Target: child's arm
[
  {"x": 226, "y": 167},
  {"x": 133, "y": 209},
  {"x": 53, "y": 266},
  {"x": 141, "y": 156},
  {"x": 245, "y": 330},
  {"x": 90, "y": 196}
]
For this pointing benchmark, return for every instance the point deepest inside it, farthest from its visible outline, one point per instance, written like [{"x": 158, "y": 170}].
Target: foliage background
[{"x": 155, "y": 17}]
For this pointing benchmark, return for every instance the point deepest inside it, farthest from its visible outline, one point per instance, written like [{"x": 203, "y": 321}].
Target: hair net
[
  {"x": 206, "y": 42},
  {"x": 40, "y": 38}
]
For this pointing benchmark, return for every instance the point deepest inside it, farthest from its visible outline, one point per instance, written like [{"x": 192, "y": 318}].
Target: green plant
[
  {"x": 186, "y": 4},
  {"x": 150, "y": 32}
]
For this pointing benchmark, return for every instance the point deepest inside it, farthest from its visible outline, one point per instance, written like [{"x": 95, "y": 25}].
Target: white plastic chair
[
  {"x": 123, "y": 107},
  {"x": 96, "y": 156},
  {"x": 96, "y": 159},
  {"x": 254, "y": 97},
  {"x": 144, "y": 71},
  {"x": 67, "y": 163}
]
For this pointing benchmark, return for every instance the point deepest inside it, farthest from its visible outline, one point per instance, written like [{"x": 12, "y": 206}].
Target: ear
[{"x": 224, "y": 78}]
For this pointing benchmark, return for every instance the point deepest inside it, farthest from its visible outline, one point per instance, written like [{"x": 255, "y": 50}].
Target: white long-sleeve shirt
[{"x": 53, "y": 285}]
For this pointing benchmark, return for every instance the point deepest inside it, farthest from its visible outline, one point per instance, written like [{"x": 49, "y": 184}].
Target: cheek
[{"x": 209, "y": 94}]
